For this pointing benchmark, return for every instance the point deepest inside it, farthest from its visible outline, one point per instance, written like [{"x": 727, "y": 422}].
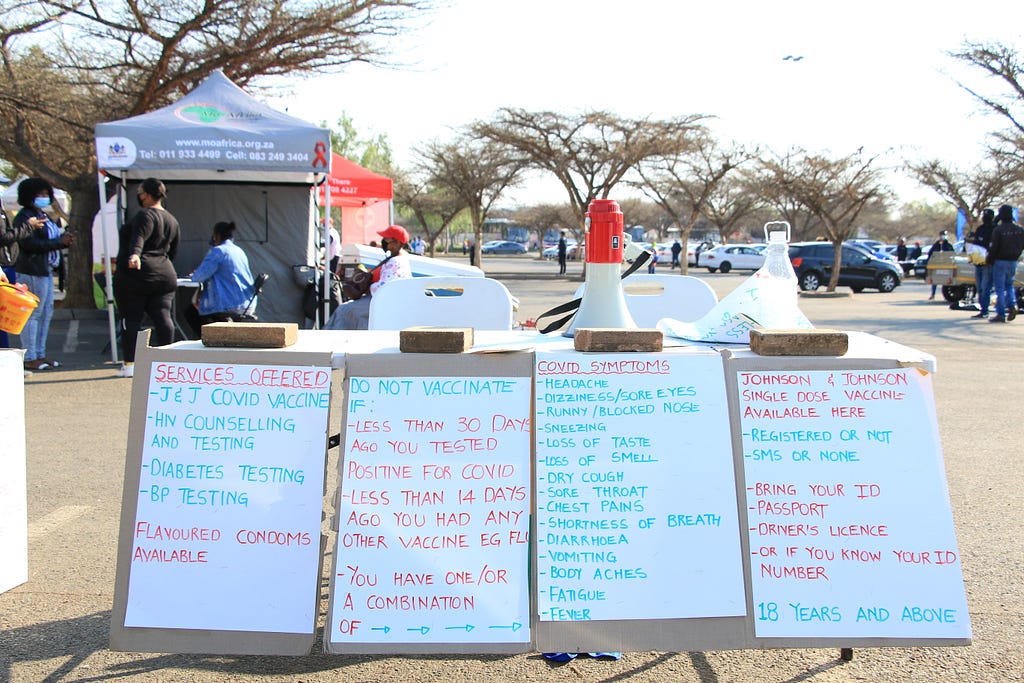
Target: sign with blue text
[
  {"x": 636, "y": 493},
  {"x": 226, "y": 534}
]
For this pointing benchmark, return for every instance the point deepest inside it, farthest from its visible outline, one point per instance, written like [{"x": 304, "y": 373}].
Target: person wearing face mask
[
  {"x": 228, "y": 285},
  {"x": 40, "y": 241},
  {"x": 355, "y": 314},
  {"x": 145, "y": 280}
]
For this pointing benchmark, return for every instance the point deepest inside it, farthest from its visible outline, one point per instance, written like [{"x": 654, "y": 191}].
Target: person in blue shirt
[{"x": 228, "y": 284}]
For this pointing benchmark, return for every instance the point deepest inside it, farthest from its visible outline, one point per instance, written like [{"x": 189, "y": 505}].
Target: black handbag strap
[{"x": 570, "y": 307}]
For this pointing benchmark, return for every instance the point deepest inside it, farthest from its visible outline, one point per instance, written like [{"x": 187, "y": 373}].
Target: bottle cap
[{"x": 776, "y": 231}]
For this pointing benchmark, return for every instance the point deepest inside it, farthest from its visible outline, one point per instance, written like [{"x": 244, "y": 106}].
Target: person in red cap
[{"x": 355, "y": 314}]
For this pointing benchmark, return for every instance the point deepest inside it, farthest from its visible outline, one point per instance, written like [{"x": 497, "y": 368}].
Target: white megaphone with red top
[{"x": 604, "y": 304}]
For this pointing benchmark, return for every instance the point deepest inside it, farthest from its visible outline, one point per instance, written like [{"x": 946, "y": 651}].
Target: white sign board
[
  {"x": 227, "y": 529},
  {"x": 13, "y": 491},
  {"x": 850, "y": 526},
  {"x": 434, "y": 512},
  {"x": 636, "y": 493}
]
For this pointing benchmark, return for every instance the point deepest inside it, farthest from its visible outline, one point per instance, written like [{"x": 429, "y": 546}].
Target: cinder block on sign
[
  {"x": 251, "y": 335},
  {"x": 818, "y": 342},
  {"x": 615, "y": 340},
  {"x": 435, "y": 339}
]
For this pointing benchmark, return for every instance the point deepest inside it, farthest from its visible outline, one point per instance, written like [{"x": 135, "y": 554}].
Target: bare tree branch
[
  {"x": 66, "y": 65},
  {"x": 476, "y": 171},
  {"x": 589, "y": 153},
  {"x": 834, "y": 190}
]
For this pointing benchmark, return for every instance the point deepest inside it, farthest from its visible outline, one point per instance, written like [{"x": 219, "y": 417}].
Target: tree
[
  {"x": 589, "y": 153},
  {"x": 833, "y": 190},
  {"x": 683, "y": 182},
  {"x": 968, "y": 191},
  {"x": 430, "y": 206},
  {"x": 923, "y": 219},
  {"x": 373, "y": 153},
  {"x": 733, "y": 200},
  {"x": 475, "y": 171},
  {"x": 1004, "y": 64},
  {"x": 548, "y": 218},
  {"x": 638, "y": 211},
  {"x": 66, "y": 65}
]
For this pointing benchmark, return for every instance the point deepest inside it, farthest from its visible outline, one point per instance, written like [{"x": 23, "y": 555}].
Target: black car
[{"x": 860, "y": 270}]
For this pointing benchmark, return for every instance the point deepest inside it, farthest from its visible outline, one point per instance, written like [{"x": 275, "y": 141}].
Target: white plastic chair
[
  {"x": 650, "y": 298},
  {"x": 477, "y": 302}
]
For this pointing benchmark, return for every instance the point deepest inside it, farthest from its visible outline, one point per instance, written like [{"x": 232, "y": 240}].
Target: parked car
[
  {"x": 664, "y": 251},
  {"x": 907, "y": 266},
  {"x": 728, "y": 257},
  {"x": 813, "y": 263},
  {"x": 875, "y": 248},
  {"x": 502, "y": 247},
  {"x": 870, "y": 245},
  {"x": 570, "y": 250},
  {"x": 694, "y": 250}
]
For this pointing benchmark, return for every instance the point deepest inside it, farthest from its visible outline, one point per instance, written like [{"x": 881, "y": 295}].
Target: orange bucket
[{"x": 16, "y": 306}]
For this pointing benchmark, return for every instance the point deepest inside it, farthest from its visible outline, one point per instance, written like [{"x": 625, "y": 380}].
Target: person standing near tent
[
  {"x": 40, "y": 241},
  {"x": 355, "y": 313},
  {"x": 145, "y": 281},
  {"x": 229, "y": 290},
  {"x": 7, "y": 240}
]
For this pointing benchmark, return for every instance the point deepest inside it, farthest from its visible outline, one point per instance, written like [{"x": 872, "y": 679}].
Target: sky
[{"x": 873, "y": 74}]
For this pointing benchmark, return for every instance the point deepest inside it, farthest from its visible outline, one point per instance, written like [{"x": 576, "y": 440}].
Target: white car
[
  {"x": 693, "y": 256},
  {"x": 570, "y": 251},
  {"x": 728, "y": 257}
]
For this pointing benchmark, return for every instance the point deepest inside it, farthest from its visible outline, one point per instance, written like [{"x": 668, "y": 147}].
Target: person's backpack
[{"x": 8, "y": 240}]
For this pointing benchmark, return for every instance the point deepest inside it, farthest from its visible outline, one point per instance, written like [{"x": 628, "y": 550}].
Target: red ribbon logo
[{"x": 321, "y": 155}]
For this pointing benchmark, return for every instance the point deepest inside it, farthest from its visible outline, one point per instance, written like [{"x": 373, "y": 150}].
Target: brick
[
  {"x": 435, "y": 339},
  {"x": 616, "y": 340},
  {"x": 817, "y": 342},
  {"x": 250, "y": 335}
]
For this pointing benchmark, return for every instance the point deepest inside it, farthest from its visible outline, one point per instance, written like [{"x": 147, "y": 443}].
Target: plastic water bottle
[{"x": 776, "y": 280}]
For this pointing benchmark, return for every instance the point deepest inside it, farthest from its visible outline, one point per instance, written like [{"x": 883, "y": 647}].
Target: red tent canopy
[{"x": 353, "y": 185}]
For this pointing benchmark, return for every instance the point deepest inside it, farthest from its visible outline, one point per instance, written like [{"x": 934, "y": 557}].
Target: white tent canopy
[{"x": 225, "y": 156}]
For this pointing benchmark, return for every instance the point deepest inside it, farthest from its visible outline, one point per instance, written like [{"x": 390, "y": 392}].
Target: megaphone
[{"x": 604, "y": 304}]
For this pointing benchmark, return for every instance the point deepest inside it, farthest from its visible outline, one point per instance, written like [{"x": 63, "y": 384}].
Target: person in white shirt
[
  {"x": 355, "y": 314},
  {"x": 333, "y": 248}
]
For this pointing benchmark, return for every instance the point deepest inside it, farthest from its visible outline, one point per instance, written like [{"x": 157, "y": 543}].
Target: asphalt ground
[{"x": 55, "y": 627}]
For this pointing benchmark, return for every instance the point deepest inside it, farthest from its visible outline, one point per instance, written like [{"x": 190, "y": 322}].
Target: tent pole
[
  {"x": 328, "y": 275},
  {"x": 109, "y": 284}
]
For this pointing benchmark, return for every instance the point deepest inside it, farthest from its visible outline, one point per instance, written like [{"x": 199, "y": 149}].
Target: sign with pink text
[
  {"x": 433, "y": 515},
  {"x": 849, "y": 521}
]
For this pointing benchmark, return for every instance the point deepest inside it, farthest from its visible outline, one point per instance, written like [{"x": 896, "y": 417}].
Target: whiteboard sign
[
  {"x": 13, "y": 486},
  {"x": 849, "y": 521},
  {"x": 434, "y": 512},
  {"x": 227, "y": 529},
  {"x": 636, "y": 490}
]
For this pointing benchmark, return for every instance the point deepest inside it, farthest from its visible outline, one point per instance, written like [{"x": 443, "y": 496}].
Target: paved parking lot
[{"x": 54, "y": 628}]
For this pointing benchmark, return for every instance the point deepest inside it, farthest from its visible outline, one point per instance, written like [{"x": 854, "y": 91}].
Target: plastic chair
[
  {"x": 480, "y": 303},
  {"x": 650, "y": 298}
]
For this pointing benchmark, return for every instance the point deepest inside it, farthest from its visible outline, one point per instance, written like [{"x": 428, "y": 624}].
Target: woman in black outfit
[{"x": 145, "y": 281}]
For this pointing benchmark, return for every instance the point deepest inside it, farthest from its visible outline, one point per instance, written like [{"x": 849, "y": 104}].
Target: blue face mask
[{"x": 42, "y": 202}]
